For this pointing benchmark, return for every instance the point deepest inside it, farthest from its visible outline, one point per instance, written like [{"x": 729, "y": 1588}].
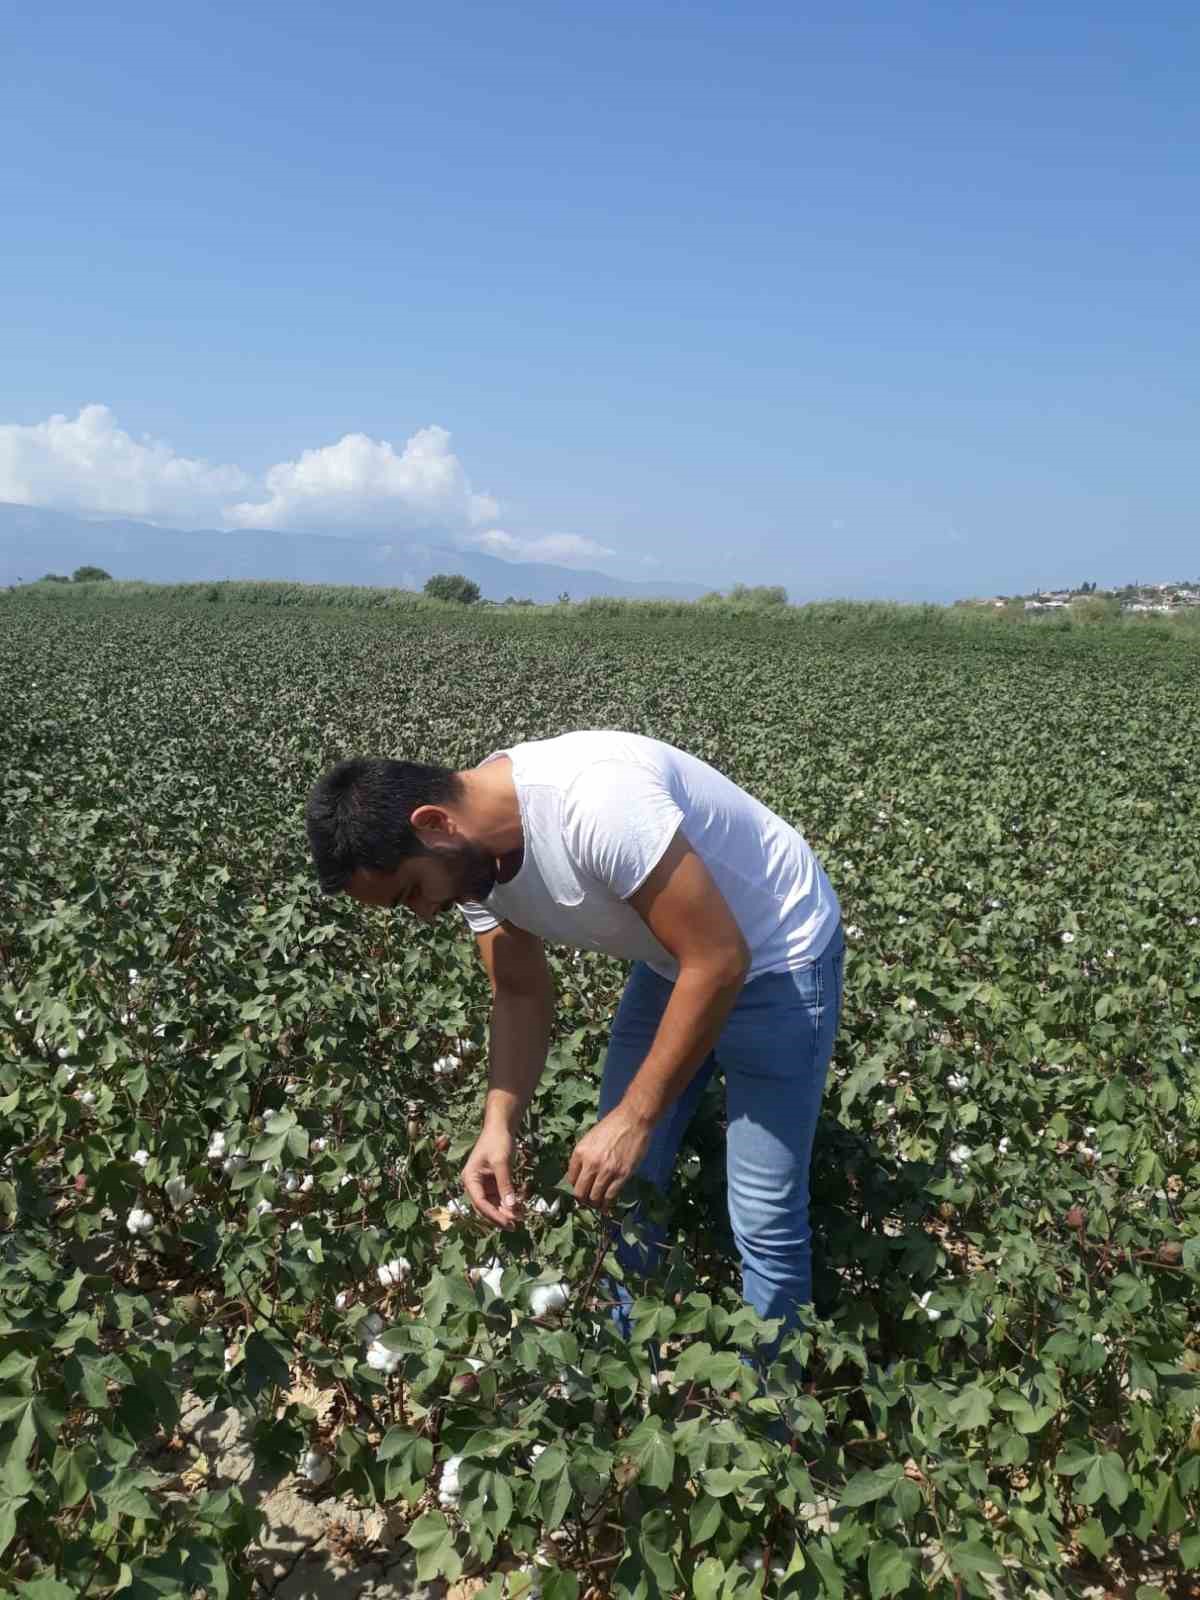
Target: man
[{"x": 615, "y": 842}]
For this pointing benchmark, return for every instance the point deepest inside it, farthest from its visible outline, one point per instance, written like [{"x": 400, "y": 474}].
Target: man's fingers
[{"x": 476, "y": 1185}]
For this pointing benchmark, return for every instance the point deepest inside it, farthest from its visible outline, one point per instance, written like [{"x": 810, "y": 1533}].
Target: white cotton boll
[
  {"x": 87, "y": 1098},
  {"x": 957, "y": 1081},
  {"x": 140, "y": 1157},
  {"x": 448, "y": 1487},
  {"x": 264, "y": 1208},
  {"x": 231, "y": 1354},
  {"x": 394, "y": 1271},
  {"x": 546, "y": 1297},
  {"x": 307, "y": 1183},
  {"x": 545, "y": 1208},
  {"x": 139, "y": 1221},
  {"x": 923, "y": 1302},
  {"x": 381, "y": 1359},
  {"x": 133, "y": 975},
  {"x": 178, "y": 1192},
  {"x": 318, "y": 1145},
  {"x": 234, "y": 1163},
  {"x": 342, "y": 1300},
  {"x": 1068, "y": 938},
  {"x": 491, "y": 1275},
  {"x": 854, "y": 931},
  {"x": 445, "y": 1064},
  {"x": 290, "y": 1182},
  {"x": 316, "y": 1466},
  {"x": 216, "y": 1146},
  {"x": 960, "y": 1155},
  {"x": 459, "y": 1208},
  {"x": 1003, "y": 1145}
]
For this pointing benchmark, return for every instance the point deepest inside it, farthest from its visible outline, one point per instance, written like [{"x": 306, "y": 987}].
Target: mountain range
[{"x": 35, "y": 541}]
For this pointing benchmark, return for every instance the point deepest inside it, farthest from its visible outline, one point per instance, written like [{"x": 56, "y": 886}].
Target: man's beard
[{"x": 475, "y": 871}]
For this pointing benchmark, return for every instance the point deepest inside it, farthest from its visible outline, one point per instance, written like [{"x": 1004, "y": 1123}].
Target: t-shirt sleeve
[
  {"x": 618, "y": 819},
  {"x": 478, "y": 918}
]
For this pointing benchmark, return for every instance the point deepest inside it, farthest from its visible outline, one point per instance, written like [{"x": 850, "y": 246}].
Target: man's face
[{"x": 428, "y": 885}]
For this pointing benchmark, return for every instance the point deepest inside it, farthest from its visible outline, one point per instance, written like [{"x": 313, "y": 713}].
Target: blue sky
[{"x": 867, "y": 299}]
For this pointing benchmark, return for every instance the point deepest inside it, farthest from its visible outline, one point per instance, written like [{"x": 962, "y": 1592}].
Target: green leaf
[
  {"x": 889, "y": 1568},
  {"x": 653, "y": 1452},
  {"x": 708, "y": 1580},
  {"x": 871, "y": 1484},
  {"x": 433, "y": 1540},
  {"x": 264, "y": 1364},
  {"x": 1106, "y": 1477}
]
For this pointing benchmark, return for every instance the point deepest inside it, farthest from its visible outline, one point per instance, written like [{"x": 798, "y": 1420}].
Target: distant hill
[{"x": 34, "y": 541}]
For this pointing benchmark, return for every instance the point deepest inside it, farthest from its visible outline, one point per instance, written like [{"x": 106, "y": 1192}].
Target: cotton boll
[
  {"x": 178, "y": 1192},
  {"x": 290, "y": 1182},
  {"x": 318, "y": 1145},
  {"x": 381, "y": 1359},
  {"x": 140, "y": 1157},
  {"x": 960, "y": 1155},
  {"x": 216, "y": 1147},
  {"x": 546, "y": 1297},
  {"x": 87, "y": 1098},
  {"x": 544, "y": 1207},
  {"x": 342, "y": 1300},
  {"x": 956, "y": 1081},
  {"x": 264, "y": 1208},
  {"x": 234, "y": 1163},
  {"x": 316, "y": 1466},
  {"x": 307, "y": 1183},
  {"x": 445, "y": 1064},
  {"x": 394, "y": 1271},
  {"x": 929, "y": 1311},
  {"x": 231, "y": 1354},
  {"x": 449, "y": 1491},
  {"x": 139, "y": 1221}
]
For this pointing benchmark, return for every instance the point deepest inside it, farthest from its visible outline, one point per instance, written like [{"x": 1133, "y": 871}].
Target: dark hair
[{"x": 357, "y": 816}]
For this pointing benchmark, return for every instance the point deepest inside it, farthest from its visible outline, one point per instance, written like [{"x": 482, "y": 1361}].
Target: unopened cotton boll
[
  {"x": 139, "y": 1221},
  {"x": 316, "y": 1466},
  {"x": 381, "y": 1359},
  {"x": 546, "y": 1297},
  {"x": 394, "y": 1271}
]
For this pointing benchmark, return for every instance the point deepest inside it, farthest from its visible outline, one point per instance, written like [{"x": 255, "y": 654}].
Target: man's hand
[
  {"x": 487, "y": 1177},
  {"x": 608, "y": 1155}
]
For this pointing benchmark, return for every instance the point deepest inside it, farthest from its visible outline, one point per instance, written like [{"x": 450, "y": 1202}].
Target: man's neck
[{"x": 492, "y": 810}]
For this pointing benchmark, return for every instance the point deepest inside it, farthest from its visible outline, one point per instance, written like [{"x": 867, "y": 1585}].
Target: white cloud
[
  {"x": 361, "y": 483},
  {"x": 357, "y": 485},
  {"x": 90, "y": 464},
  {"x": 564, "y": 549}
]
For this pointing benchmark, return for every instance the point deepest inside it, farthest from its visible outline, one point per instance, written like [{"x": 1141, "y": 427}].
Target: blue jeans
[{"x": 774, "y": 1052}]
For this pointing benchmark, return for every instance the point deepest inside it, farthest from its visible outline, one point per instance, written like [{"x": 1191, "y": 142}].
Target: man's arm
[
  {"x": 689, "y": 916},
  {"x": 519, "y": 1037}
]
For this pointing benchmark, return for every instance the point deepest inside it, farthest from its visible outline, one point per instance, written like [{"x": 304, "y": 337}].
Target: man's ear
[{"x": 433, "y": 820}]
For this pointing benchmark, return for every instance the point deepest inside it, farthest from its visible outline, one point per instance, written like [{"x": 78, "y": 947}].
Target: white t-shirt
[{"x": 598, "y": 810}]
